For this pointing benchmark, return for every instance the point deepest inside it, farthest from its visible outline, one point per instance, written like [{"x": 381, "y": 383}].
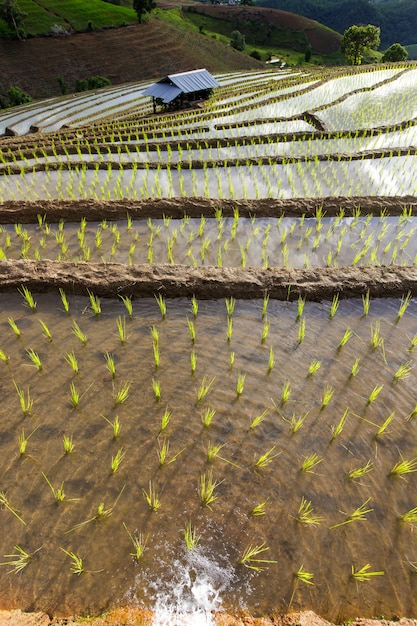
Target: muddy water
[
  {"x": 112, "y": 577},
  {"x": 228, "y": 242}
]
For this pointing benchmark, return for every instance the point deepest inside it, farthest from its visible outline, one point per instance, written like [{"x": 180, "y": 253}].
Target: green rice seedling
[
  {"x": 156, "y": 386},
  {"x": 77, "y": 566},
  {"x": 191, "y": 329},
  {"x": 94, "y": 303},
  {"x": 382, "y": 429},
  {"x": 250, "y": 558},
  {"x": 303, "y": 576},
  {"x": 213, "y": 451},
  {"x": 300, "y": 307},
  {"x": 230, "y": 306},
  {"x": 194, "y": 306},
  {"x": 28, "y": 298},
  {"x": 336, "y": 430},
  {"x": 139, "y": 543},
  {"x": 412, "y": 415},
  {"x": 296, "y": 422},
  {"x": 357, "y": 515},
  {"x": 116, "y": 426},
  {"x": 258, "y": 419},
  {"x": 405, "y": 302},
  {"x": 68, "y": 444},
  {"x": 152, "y": 497},
  {"x": 327, "y": 396},
  {"x": 101, "y": 513},
  {"x": 363, "y": 574},
  {"x": 266, "y": 458},
  {"x": 191, "y": 538},
  {"x": 121, "y": 329},
  {"x": 4, "y": 501},
  {"x": 265, "y": 303},
  {"x": 26, "y": 402},
  {"x": 193, "y": 360},
  {"x": 19, "y": 560},
  {"x": 306, "y": 515},
  {"x": 207, "y": 416},
  {"x": 64, "y": 300},
  {"x": 122, "y": 393},
  {"x": 4, "y": 357},
  {"x": 286, "y": 392},
  {"x": 404, "y": 467},
  {"x": 156, "y": 355},
  {"x": 410, "y": 516},
  {"x": 46, "y": 331},
  {"x": 360, "y": 471},
  {"x": 313, "y": 367},
  {"x": 163, "y": 452},
  {"x": 310, "y": 462},
  {"x": 206, "y": 489},
  {"x": 116, "y": 460},
  {"x": 72, "y": 361},
  {"x": 35, "y": 358},
  {"x": 74, "y": 396},
  {"x": 374, "y": 394},
  {"x": 23, "y": 440},
  {"x": 301, "y": 331},
  {"x": 229, "y": 328},
  {"x": 377, "y": 341},
  {"x": 58, "y": 493},
  {"x": 240, "y": 385},
  {"x": 355, "y": 368},
  {"x": 128, "y": 304},
  {"x": 403, "y": 371},
  {"x": 334, "y": 306},
  {"x": 413, "y": 343},
  {"x": 271, "y": 359},
  {"x": 231, "y": 359},
  {"x": 259, "y": 509},
  {"x": 265, "y": 330},
  {"x": 204, "y": 388},
  {"x": 366, "y": 302},
  {"x": 79, "y": 333},
  {"x": 165, "y": 419},
  {"x": 111, "y": 365},
  {"x": 347, "y": 335},
  {"x": 162, "y": 304},
  {"x": 155, "y": 334},
  {"x": 14, "y": 327}
]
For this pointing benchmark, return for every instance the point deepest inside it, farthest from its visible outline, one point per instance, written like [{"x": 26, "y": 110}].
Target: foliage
[
  {"x": 396, "y": 52},
  {"x": 13, "y": 15},
  {"x": 238, "y": 41},
  {"x": 141, "y": 7},
  {"x": 357, "y": 39},
  {"x": 13, "y": 97},
  {"x": 93, "y": 82}
]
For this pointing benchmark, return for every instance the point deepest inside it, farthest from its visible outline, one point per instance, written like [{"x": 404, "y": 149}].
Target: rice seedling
[
  {"x": 4, "y": 501},
  {"x": 207, "y": 416},
  {"x": 251, "y": 560},
  {"x": 409, "y": 516},
  {"x": 79, "y": 333},
  {"x": 164, "y": 451},
  {"x": 128, "y": 305},
  {"x": 28, "y": 298},
  {"x": 303, "y": 576},
  {"x": 121, "y": 329},
  {"x": 46, "y": 331},
  {"x": 403, "y": 371},
  {"x": 23, "y": 440},
  {"x": 306, "y": 515},
  {"x": 152, "y": 497},
  {"x": 377, "y": 341},
  {"x": 110, "y": 363},
  {"x": 35, "y": 358},
  {"x": 360, "y": 471},
  {"x": 363, "y": 574},
  {"x": 310, "y": 462},
  {"x": 191, "y": 329},
  {"x": 14, "y": 327},
  {"x": 230, "y": 306},
  {"x": 357, "y": 515},
  {"x": 382, "y": 429},
  {"x": 266, "y": 458},
  {"x": 116, "y": 425},
  {"x": 405, "y": 302},
  {"x": 68, "y": 444},
  {"x": 374, "y": 394},
  {"x": 259, "y": 509},
  {"x": 327, "y": 396},
  {"x": 191, "y": 538},
  {"x": 26, "y": 402},
  {"x": 286, "y": 392},
  {"x": 116, "y": 460},
  {"x": 347, "y": 335},
  {"x": 206, "y": 488},
  {"x": 355, "y": 368},
  {"x": 161, "y": 304},
  {"x": 204, "y": 388},
  {"x": 77, "y": 566},
  {"x": 4, "y": 357},
  {"x": 231, "y": 359},
  {"x": 366, "y": 302},
  {"x": 240, "y": 385},
  {"x": 58, "y": 493},
  {"x": 301, "y": 331},
  {"x": 265, "y": 330},
  {"x": 229, "y": 329},
  {"x": 300, "y": 307},
  {"x": 258, "y": 419},
  {"x": 404, "y": 467},
  {"x": 155, "y": 335},
  {"x": 64, "y": 300},
  {"x": 122, "y": 393},
  {"x": 334, "y": 306},
  {"x": 19, "y": 560},
  {"x": 139, "y": 543},
  {"x": 74, "y": 396},
  {"x": 413, "y": 343},
  {"x": 265, "y": 303},
  {"x": 194, "y": 306},
  {"x": 156, "y": 386},
  {"x": 313, "y": 367},
  {"x": 94, "y": 303}
]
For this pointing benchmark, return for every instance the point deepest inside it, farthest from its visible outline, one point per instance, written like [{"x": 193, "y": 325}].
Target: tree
[
  {"x": 143, "y": 6},
  {"x": 396, "y": 52},
  {"x": 238, "y": 40},
  {"x": 357, "y": 39},
  {"x": 13, "y": 15}
]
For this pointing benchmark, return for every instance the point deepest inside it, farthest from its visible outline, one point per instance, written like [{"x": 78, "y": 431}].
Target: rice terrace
[{"x": 208, "y": 338}]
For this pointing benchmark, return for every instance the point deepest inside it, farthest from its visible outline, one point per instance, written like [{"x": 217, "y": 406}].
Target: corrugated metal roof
[{"x": 172, "y": 85}]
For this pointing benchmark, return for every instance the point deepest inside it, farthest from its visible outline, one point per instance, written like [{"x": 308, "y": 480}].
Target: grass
[
  {"x": 28, "y": 298},
  {"x": 121, "y": 329},
  {"x": 250, "y": 557},
  {"x": 58, "y": 493},
  {"x": 258, "y": 419},
  {"x": 152, "y": 497},
  {"x": 117, "y": 460},
  {"x": 357, "y": 515},
  {"x": 23, "y": 440},
  {"x": 404, "y": 467},
  {"x": 72, "y": 361},
  {"x": 360, "y": 471},
  {"x": 35, "y": 358},
  {"x": 305, "y": 514},
  {"x": 26, "y": 402},
  {"x": 204, "y": 388},
  {"x": 4, "y": 501},
  {"x": 240, "y": 385},
  {"x": 14, "y": 327},
  {"x": 364, "y": 574},
  {"x": 161, "y": 304},
  {"x": 206, "y": 489},
  {"x": 19, "y": 559},
  {"x": 313, "y": 367},
  {"x": 121, "y": 394},
  {"x": 79, "y": 333},
  {"x": 139, "y": 543},
  {"x": 259, "y": 509},
  {"x": 191, "y": 538},
  {"x": 266, "y": 458},
  {"x": 68, "y": 444},
  {"x": 336, "y": 430},
  {"x": 310, "y": 462},
  {"x": 77, "y": 566}
]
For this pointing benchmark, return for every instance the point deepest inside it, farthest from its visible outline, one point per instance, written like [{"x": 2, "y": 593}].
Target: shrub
[
  {"x": 256, "y": 55},
  {"x": 93, "y": 82}
]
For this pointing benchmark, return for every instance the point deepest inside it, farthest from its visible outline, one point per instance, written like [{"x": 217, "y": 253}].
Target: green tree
[
  {"x": 238, "y": 40},
  {"x": 143, "y": 6},
  {"x": 13, "y": 15},
  {"x": 396, "y": 52},
  {"x": 357, "y": 39}
]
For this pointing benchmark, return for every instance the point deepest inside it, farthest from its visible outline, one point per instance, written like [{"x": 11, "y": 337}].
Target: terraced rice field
[{"x": 207, "y": 349}]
